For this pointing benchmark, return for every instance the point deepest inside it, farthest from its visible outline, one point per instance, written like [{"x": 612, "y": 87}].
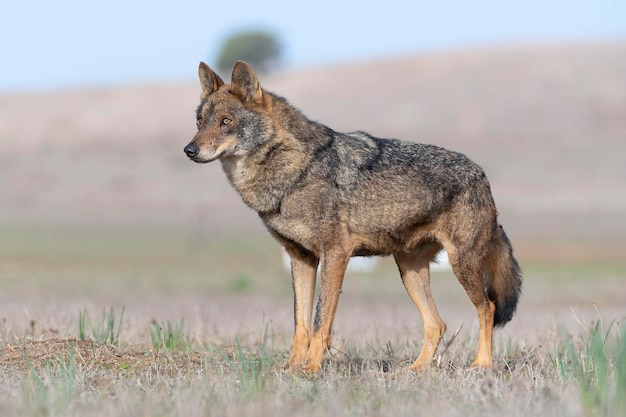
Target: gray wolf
[{"x": 327, "y": 196}]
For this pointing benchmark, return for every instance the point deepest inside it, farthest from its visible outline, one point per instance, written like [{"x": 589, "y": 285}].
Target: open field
[
  {"x": 182, "y": 304},
  {"x": 135, "y": 283}
]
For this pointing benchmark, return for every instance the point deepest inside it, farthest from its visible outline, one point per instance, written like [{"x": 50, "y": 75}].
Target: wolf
[{"x": 327, "y": 196}]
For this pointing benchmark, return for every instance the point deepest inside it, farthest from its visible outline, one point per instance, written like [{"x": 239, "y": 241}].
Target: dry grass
[
  {"x": 71, "y": 377},
  {"x": 83, "y": 378},
  {"x": 230, "y": 343}
]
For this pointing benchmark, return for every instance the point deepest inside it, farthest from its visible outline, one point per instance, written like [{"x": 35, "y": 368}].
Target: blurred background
[{"x": 97, "y": 101}]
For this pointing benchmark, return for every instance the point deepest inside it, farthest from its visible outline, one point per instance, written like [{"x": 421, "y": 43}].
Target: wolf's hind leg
[
  {"x": 304, "y": 274},
  {"x": 415, "y": 273},
  {"x": 469, "y": 271}
]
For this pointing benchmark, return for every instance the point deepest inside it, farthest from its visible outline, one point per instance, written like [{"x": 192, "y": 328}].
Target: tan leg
[
  {"x": 333, "y": 269},
  {"x": 486, "y": 311},
  {"x": 415, "y": 273},
  {"x": 470, "y": 275},
  {"x": 304, "y": 275}
]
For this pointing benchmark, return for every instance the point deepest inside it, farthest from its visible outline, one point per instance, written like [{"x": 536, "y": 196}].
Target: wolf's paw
[
  {"x": 485, "y": 364},
  {"x": 311, "y": 368},
  {"x": 421, "y": 365}
]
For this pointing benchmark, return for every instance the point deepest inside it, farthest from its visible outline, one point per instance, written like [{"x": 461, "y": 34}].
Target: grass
[
  {"x": 597, "y": 362},
  {"x": 88, "y": 262},
  {"x": 253, "y": 370},
  {"x": 66, "y": 377},
  {"x": 169, "y": 336},
  {"x": 568, "y": 375},
  {"x": 101, "y": 331},
  {"x": 185, "y": 343},
  {"x": 51, "y": 391}
]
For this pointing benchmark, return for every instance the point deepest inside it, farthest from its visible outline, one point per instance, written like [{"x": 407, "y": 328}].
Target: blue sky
[{"x": 70, "y": 43}]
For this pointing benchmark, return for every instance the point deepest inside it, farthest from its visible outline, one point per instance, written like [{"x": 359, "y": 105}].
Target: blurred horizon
[
  {"x": 535, "y": 93},
  {"x": 71, "y": 44},
  {"x": 545, "y": 122}
]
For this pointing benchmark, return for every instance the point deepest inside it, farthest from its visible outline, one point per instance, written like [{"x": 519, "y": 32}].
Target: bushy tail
[{"x": 503, "y": 278}]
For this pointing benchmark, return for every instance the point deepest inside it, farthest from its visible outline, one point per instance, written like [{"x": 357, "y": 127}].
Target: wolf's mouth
[{"x": 198, "y": 159}]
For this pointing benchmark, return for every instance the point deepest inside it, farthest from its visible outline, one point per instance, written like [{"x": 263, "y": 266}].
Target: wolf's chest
[{"x": 300, "y": 230}]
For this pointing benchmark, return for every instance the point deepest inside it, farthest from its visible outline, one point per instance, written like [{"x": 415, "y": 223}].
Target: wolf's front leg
[
  {"x": 304, "y": 274},
  {"x": 333, "y": 269}
]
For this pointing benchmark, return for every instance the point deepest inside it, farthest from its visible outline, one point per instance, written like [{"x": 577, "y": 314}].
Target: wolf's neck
[
  {"x": 289, "y": 120},
  {"x": 264, "y": 178}
]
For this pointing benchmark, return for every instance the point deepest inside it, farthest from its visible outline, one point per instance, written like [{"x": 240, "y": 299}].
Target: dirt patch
[{"x": 41, "y": 355}]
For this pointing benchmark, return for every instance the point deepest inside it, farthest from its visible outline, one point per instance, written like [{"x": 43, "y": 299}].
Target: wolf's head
[{"x": 228, "y": 119}]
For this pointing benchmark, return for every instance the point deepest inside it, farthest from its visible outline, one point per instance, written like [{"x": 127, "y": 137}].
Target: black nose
[{"x": 191, "y": 150}]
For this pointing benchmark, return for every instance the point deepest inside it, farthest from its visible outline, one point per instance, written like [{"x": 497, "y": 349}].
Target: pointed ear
[
  {"x": 245, "y": 83},
  {"x": 209, "y": 80}
]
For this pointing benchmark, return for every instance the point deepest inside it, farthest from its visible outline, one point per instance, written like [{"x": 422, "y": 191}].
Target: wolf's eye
[
  {"x": 226, "y": 121},
  {"x": 198, "y": 123}
]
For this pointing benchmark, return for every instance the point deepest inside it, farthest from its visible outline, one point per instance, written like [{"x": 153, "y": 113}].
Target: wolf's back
[{"x": 394, "y": 173}]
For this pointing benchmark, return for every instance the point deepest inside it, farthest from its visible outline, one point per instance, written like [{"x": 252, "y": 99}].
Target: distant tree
[{"x": 258, "y": 48}]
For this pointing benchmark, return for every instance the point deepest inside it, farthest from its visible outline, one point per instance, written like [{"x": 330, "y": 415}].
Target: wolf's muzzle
[{"x": 191, "y": 150}]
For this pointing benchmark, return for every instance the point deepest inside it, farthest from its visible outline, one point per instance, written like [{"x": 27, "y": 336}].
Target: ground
[{"x": 151, "y": 325}]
